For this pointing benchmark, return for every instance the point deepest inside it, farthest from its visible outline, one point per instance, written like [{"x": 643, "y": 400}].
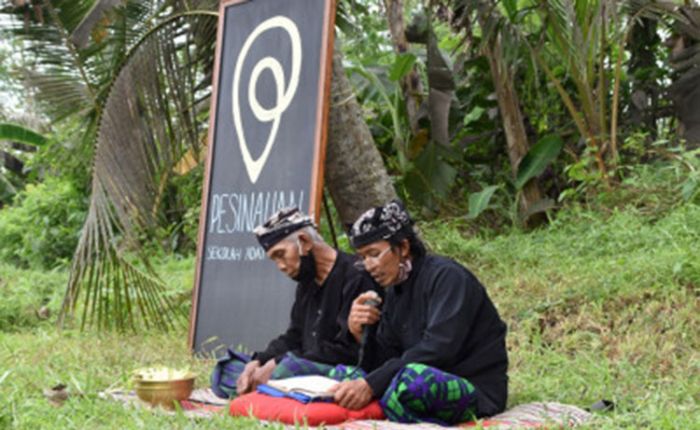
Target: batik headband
[
  {"x": 280, "y": 225},
  {"x": 381, "y": 223}
]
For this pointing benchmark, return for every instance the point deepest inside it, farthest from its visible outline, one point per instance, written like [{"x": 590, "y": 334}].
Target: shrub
[{"x": 42, "y": 227}]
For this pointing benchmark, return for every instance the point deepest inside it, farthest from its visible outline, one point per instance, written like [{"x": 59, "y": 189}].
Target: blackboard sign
[{"x": 266, "y": 151}]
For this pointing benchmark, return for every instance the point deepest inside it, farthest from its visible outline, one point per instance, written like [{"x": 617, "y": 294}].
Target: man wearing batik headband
[
  {"x": 439, "y": 352},
  {"x": 317, "y": 338}
]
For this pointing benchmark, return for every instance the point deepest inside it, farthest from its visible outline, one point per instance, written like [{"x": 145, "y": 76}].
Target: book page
[{"x": 310, "y": 384}]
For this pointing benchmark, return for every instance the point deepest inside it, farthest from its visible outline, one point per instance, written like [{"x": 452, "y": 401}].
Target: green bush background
[{"x": 42, "y": 227}]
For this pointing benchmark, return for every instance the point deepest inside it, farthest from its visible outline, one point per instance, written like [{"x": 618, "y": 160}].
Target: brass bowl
[{"x": 164, "y": 393}]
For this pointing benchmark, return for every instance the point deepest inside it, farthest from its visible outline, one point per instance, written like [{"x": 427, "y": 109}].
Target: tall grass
[{"x": 598, "y": 306}]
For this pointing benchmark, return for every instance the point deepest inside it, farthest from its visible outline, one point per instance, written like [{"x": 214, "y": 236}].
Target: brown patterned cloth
[{"x": 202, "y": 403}]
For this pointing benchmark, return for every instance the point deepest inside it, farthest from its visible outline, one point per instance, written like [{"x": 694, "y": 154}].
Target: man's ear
[
  {"x": 405, "y": 249},
  {"x": 305, "y": 242}
]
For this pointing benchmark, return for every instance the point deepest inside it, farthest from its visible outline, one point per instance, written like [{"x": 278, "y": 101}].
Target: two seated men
[{"x": 436, "y": 346}]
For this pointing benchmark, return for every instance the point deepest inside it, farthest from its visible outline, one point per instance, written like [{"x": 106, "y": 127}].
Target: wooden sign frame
[{"x": 320, "y": 133}]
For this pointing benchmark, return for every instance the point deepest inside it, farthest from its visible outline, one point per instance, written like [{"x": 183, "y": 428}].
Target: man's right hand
[
  {"x": 362, "y": 314},
  {"x": 262, "y": 374},
  {"x": 355, "y": 394},
  {"x": 244, "y": 383}
]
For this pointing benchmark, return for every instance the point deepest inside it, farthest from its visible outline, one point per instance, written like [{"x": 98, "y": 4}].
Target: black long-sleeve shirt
[
  {"x": 442, "y": 317},
  {"x": 318, "y": 329}
]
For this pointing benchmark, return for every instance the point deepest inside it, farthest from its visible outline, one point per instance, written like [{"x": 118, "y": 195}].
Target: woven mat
[
  {"x": 541, "y": 415},
  {"x": 202, "y": 403}
]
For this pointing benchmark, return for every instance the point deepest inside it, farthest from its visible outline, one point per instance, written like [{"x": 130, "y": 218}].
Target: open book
[{"x": 310, "y": 388}]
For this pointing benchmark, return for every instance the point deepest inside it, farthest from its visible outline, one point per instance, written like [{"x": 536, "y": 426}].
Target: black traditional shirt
[
  {"x": 318, "y": 329},
  {"x": 442, "y": 317}
]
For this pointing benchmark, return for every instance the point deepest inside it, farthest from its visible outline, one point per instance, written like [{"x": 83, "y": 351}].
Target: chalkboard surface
[{"x": 266, "y": 149}]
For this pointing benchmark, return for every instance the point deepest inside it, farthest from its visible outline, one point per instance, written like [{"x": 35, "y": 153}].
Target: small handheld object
[{"x": 374, "y": 302}]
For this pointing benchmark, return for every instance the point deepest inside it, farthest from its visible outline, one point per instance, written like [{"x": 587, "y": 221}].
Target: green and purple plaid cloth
[{"x": 420, "y": 393}]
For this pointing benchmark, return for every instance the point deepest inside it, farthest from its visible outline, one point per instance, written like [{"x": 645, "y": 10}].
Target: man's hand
[
  {"x": 362, "y": 314},
  {"x": 262, "y": 374},
  {"x": 244, "y": 383},
  {"x": 352, "y": 394}
]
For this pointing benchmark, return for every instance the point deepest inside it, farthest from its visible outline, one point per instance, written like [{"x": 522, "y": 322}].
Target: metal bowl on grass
[{"x": 163, "y": 387}]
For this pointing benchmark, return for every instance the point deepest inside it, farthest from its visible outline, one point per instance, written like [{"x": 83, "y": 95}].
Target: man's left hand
[{"x": 352, "y": 394}]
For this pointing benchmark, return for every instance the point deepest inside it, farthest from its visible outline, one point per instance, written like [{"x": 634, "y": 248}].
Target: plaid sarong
[
  {"x": 226, "y": 372},
  {"x": 422, "y": 393},
  {"x": 293, "y": 365}
]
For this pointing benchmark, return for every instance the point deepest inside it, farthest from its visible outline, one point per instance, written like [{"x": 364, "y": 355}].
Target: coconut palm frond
[
  {"x": 55, "y": 77},
  {"x": 71, "y": 82},
  {"x": 80, "y": 35},
  {"x": 149, "y": 120},
  {"x": 20, "y": 134},
  {"x": 54, "y": 70}
]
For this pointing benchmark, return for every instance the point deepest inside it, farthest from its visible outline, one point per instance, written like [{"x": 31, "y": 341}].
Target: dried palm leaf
[{"x": 147, "y": 124}]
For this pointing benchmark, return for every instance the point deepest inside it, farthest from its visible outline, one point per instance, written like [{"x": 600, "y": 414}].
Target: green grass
[
  {"x": 27, "y": 296},
  {"x": 598, "y": 306},
  {"x": 89, "y": 363}
]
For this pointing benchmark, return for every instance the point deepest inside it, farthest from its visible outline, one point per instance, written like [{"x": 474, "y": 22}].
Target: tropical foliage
[
  {"x": 16, "y": 143},
  {"x": 497, "y": 112},
  {"x": 42, "y": 227},
  {"x": 135, "y": 96}
]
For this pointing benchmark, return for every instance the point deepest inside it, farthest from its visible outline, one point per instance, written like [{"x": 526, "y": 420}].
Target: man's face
[
  {"x": 381, "y": 261},
  {"x": 285, "y": 254}
]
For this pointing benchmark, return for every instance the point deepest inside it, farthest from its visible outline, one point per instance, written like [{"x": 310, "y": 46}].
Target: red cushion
[{"x": 290, "y": 411}]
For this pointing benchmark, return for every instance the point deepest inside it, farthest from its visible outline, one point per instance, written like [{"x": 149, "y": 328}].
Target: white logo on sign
[{"x": 284, "y": 95}]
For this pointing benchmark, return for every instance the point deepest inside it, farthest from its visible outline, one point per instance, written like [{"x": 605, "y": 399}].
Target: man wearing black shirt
[
  {"x": 327, "y": 283},
  {"x": 439, "y": 351}
]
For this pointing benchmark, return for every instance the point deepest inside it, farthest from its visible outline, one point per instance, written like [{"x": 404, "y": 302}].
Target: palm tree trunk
[
  {"x": 685, "y": 90},
  {"x": 513, "y": 125},
  {"x": 411, "y": 86},
  {"x": 355, "y": 173}
]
